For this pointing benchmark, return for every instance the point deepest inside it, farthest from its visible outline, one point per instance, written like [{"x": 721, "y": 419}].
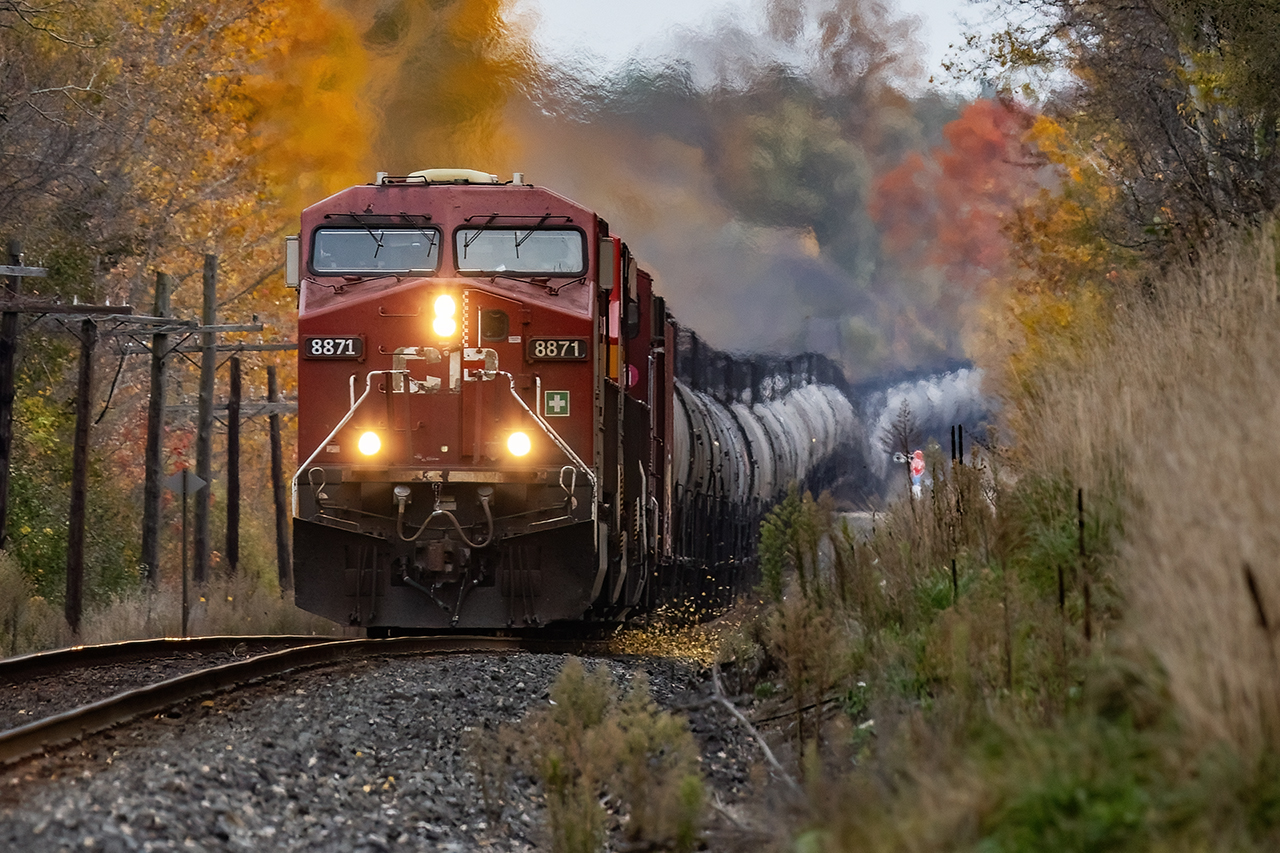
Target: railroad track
[{"x": 292, "y": 653}]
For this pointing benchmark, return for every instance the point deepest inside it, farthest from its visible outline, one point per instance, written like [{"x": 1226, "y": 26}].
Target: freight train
[{"x": 502, "y": 427}]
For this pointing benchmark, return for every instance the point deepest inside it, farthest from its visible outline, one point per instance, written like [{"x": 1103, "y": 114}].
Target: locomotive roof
[{"x": 453, "y": 188}]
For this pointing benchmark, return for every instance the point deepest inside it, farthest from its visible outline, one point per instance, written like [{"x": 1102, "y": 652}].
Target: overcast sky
[{"x": 611, "y": 31}]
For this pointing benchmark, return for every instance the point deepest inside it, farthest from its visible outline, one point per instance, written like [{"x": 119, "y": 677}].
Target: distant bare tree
[{"x": 902, "y": 435}]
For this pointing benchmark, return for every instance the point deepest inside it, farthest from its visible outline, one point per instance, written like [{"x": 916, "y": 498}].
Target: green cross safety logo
[{"x": 556, "y": 404}]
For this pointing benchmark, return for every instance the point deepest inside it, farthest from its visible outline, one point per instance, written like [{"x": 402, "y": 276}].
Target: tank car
[{"x": 491, "y": 431}]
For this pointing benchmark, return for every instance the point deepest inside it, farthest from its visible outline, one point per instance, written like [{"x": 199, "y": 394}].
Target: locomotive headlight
[
  {"x": 519, "y": 444},
  {"x": 369, "y": 443},
  {"x": 444, "y": 325}
]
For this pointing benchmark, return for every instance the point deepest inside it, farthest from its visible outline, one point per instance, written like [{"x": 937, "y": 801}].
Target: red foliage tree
[{"x": 949, "y": 209}]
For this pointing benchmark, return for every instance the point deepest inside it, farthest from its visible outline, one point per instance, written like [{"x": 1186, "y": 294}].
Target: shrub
[{"x": 587, "y": 744}]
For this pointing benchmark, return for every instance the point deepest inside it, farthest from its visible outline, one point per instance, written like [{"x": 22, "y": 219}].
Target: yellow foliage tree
[
  {"x": 1056, "y": 296},
  {"x": 441, "y": 75},
  {"x": 311, "y": 118}
]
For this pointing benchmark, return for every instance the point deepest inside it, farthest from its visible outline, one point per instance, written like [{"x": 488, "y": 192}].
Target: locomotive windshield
[
  {"x": 522, "y": 250},
  {"x": 341, "y": 251}
]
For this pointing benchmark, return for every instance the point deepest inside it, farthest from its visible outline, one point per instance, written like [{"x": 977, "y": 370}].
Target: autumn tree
[
  {"x": 1180, "y": 100},
  {"x": 140, "y": 138},
  {"x": 949, "y": 207},
  {"x": 441, "y": 74}
]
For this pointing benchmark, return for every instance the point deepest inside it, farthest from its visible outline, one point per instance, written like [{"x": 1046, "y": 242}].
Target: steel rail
[
  {"x": 34, "y": 738},
  {"x": 26, "y": 667}
]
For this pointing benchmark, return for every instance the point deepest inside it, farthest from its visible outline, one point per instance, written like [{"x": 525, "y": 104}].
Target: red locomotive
[{"x": 491, "y": 432}]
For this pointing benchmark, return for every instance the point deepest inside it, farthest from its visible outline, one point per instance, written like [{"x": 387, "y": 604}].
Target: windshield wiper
[
  {"x": 376, "y": 239},
  {"x": 540, "y": 281},
  {"x": 467, "y": 241},
  {"x": 431, "y": 240}
]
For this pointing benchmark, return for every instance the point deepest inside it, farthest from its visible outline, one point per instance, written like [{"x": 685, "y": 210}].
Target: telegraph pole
[
  {"x": 284, "y": 562},
  {"x": 154, "y": 458},
  {"x": 8, "y": 348},
  {"x": 13, "y": 304},
  {"x": 233, "y": 469},
  {"x": 80, "y": 475},
  {"x": 204, "y": 425},
  {"x": 161, "y": 328}
]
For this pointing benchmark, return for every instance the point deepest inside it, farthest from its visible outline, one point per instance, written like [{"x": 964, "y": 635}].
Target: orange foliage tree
[
  {"x": 950, "y": 209},
  {"x": 1011, "y": 210}
]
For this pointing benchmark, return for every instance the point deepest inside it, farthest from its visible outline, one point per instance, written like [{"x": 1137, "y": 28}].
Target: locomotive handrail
[
  {"x": 573, "y": 457},
  {"x": 368, "y": 387}
]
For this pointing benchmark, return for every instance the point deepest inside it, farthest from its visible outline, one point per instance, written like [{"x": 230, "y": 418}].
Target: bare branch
[{"x": 752, "y": 730}]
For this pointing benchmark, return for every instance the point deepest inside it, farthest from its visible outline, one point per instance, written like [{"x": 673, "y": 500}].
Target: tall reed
[{"x": 1175, "y": 407}]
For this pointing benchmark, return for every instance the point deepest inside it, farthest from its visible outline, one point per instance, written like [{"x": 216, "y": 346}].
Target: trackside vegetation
[{"x": 1068, "y": 644}]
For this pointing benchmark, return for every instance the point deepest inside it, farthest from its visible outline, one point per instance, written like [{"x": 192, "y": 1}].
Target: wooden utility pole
[
  {"x": 80, "y": 475},
  {"x": 161, "y": 328},
  {"x": 8, "y": 348},
  {"x": 154, "y": 458},
  {"x": 284, "y": 562},
  {"x": 186, "y": 483},
  {"x": 13, "y": 305},
  {"x": 204, "y": 425},
  {"x": 233, "y": 469}
]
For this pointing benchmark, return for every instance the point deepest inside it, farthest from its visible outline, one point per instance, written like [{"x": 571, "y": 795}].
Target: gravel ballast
[{"x": 369, "y": 756}]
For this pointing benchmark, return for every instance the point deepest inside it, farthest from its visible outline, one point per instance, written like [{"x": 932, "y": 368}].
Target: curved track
[
  {"x": 16, "y": 670},
  {"x": 299, "y": 652}
]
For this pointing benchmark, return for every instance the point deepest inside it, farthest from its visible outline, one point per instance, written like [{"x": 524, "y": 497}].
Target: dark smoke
[{"x": 743, "y": 174}]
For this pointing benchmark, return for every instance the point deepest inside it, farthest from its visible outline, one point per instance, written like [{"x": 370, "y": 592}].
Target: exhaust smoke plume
[
  {"x": 750, "y": 175},
  {"x": 934, "y": 403}
]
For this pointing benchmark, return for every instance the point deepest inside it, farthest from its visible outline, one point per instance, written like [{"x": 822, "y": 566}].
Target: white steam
[{"x": 936, "y": 402}]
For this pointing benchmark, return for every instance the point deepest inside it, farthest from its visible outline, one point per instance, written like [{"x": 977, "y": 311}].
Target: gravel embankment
[{"x": 365, "y": 757}]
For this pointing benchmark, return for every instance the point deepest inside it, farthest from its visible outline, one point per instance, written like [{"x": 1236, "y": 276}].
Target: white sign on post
[{"x": 184, "y": 483}]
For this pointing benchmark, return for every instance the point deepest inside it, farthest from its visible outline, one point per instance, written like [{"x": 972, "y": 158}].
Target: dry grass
[
  {"x": 589, "y": 747},
  {"x": 230, "y": 606},
  {"x": 28, "y": 622},
  {"x": 1176, "y": 407},
  {"x": 1095, "y": 679}
]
